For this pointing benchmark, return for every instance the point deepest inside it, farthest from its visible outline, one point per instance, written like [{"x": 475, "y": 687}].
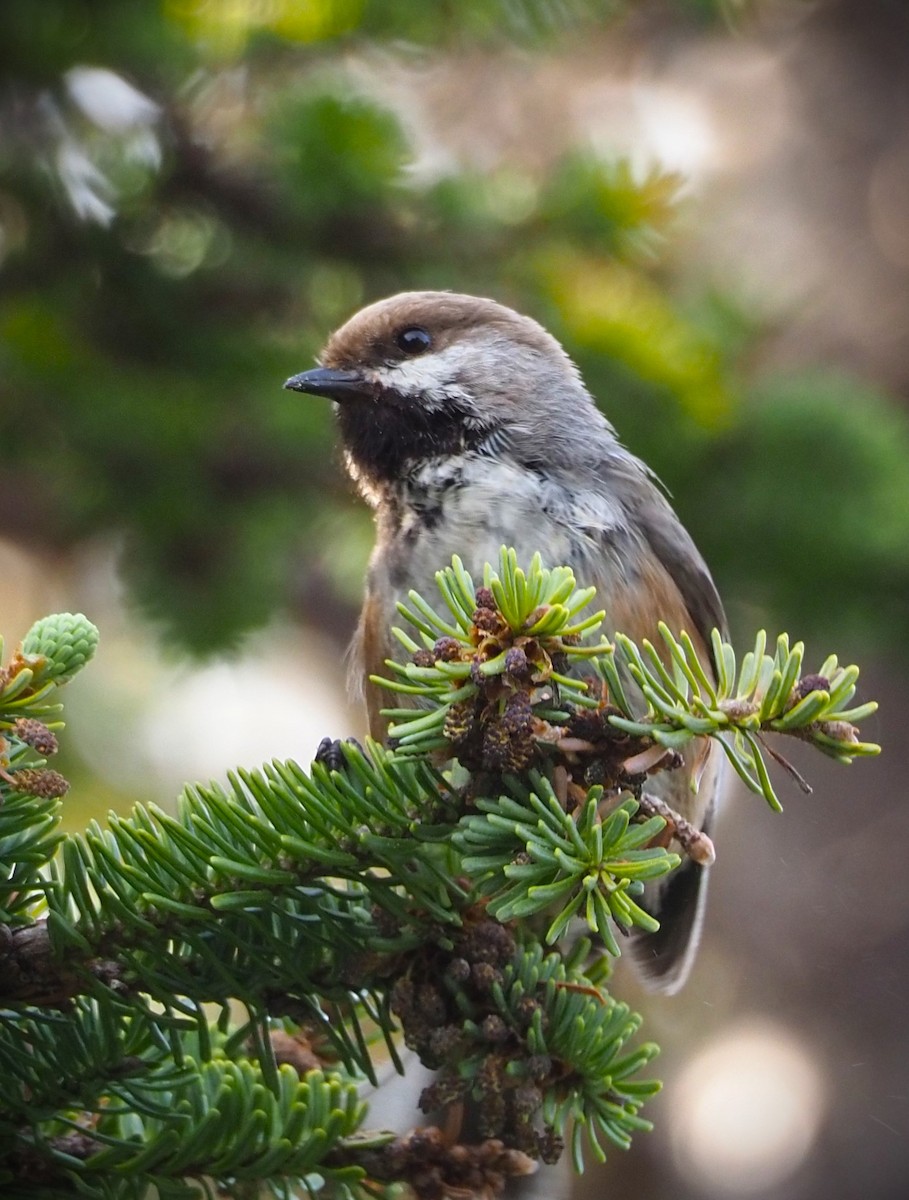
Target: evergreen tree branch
[{"x": 424, "y": 887}]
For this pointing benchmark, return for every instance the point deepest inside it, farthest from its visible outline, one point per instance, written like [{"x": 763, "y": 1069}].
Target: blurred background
[{"x": 708, "y": 203}]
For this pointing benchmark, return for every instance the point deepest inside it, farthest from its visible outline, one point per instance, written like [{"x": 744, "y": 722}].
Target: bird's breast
[{"x": 471, "y": 506}]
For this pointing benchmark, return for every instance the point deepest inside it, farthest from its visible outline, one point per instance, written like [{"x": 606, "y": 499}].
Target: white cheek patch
[
  {"x": 370, "y": 492},
  {"x": 429, "y": 378}
]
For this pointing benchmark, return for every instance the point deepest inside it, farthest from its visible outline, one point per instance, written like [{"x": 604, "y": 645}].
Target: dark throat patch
[{"x": 389, "y": 440}]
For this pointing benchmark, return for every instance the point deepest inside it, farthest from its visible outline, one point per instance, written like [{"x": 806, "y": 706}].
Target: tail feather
[{"x": 664, "y": 958}]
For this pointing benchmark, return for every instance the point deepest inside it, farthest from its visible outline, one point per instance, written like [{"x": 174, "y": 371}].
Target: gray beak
[{"x": 321, "y": 381}]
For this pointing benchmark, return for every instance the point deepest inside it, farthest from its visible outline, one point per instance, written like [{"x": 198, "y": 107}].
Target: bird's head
[{"x": 426, "y": 375}]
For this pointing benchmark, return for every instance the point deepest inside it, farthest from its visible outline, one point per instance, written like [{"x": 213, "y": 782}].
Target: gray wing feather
[
  {"x": 652, "y": 516},
  {"x": 673, "y": 546}
]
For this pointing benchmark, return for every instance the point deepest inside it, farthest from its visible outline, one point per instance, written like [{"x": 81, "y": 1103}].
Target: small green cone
[{"x": 66, "y": 641}]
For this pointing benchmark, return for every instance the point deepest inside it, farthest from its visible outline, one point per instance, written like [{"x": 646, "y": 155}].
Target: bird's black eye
[{"x": 413, "y": 340}]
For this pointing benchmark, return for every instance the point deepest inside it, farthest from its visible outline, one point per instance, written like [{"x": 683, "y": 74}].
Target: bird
[{"x": 466, "y": 426}]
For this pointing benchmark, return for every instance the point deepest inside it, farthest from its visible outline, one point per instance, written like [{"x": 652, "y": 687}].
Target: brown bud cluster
[
  {"x": 459, "y": 722},
  {"x": 508, "y": 743},
  {"x": 449, "y": 1006},
  {"x": 448, "y": 649},
  {"x": 840, "y": 731},
  {"x": 489, "y": 620},
  {"x": 805, "y": 686},
  {"x": 517, "y": 665},
  {"x": 35, "y": 734},
  {"x": 598, "y": 750},
  {"x": 38, "y": 781},
  {"x": 495, "y": 730},
  {"x": 434, "y": 1169}
]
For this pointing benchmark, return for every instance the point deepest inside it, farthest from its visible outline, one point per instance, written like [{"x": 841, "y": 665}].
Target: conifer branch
[{"x": 424, "y": 888}]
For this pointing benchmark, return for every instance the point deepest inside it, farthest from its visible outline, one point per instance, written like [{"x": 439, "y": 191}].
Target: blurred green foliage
[{"x": 193, "y": 194}]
